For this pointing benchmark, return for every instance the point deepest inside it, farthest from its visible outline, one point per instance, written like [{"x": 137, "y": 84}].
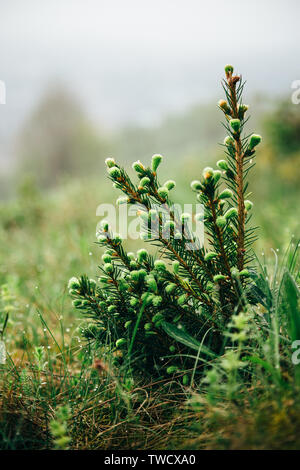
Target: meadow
[{"x": 58, "y": 392}]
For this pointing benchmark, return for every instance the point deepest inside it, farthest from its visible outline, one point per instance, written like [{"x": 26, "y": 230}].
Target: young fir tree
[{"x": 153, "y": 311}]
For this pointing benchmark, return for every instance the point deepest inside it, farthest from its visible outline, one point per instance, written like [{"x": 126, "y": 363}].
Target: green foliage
[{"x": 201, "y": 293}]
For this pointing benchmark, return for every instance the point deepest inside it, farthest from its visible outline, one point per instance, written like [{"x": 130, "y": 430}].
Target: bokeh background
[{"x": 90, "y": 79}]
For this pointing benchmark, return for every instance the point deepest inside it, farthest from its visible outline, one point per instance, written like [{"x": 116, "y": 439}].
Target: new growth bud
[
  {"x": 110, "y": 162},
  {"x": 156, "y": 161},
  {"x": 196, "y": 185},
  {"x": 232, "y": 212},
  {"x": 211, "y": 255},
  {"x": 114, "y": 172},
  {"x": 228, "y": 70},
  {"x": 248, "y": 205},
  {"x": 222, "y": 164},
  {"x": 160, "y": 265},
  {"x": 170, "y": 184},
  {"x": 138, "y": 167},
  {"x": 255, "y": 139},
  {"x": 142, "y": 255},
  {"x": 226, "y": 194},
  {"x": 224, "y": 106},
  {"x": 235, "y": 124},
  {"x": 163, "y": 192},
  {"x": 144, "y": 182},
  {"x": 208, "y": 173}
]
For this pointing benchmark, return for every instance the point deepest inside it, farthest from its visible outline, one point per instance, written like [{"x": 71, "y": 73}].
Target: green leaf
[{"x": 185, "y": 338}]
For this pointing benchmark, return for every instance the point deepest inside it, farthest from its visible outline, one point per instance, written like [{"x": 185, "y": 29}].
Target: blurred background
[{"x": 96, "y": 78}]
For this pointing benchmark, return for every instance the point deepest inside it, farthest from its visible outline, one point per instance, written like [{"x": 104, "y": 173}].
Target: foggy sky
[{"x": 136, "y": 60}]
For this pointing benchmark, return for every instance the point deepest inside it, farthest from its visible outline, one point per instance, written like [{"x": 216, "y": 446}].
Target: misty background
[{"x": 91, "y": 79}]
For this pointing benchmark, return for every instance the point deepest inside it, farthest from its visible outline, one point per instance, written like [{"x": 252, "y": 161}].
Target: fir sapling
[{"x": 190, "y": 295}]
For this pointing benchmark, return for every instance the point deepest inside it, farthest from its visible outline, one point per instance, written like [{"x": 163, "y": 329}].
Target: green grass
[{"x": 44, "y": 240}]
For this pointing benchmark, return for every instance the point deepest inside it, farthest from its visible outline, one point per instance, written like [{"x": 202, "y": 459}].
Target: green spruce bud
[
  {"x": 148, "y": 326},
  {"x": 248, "y": 205},
  {"x": 122, "y": 200},
  {"x": 228, "y": 69},
  {"x": 242, "y": 110},
  {"x": 175, "y": 265},
  {"x": 108, "y": 268},
  {"x": 172, "y": 349},
  {"x": 219, "y": 277},
  {"x": 221, "y": 221},
  {"x": 160, "y": 265},
  {"x": 245, "y": 273},
  {"x": 114, "y": 172},
  {"x": 196, "y": 185},
  {"x": 73, "y": 283},
  {"x": 224, "y": 106},
  {"x": 229, "y": 142},
  {"x": 142, "y": 273},
  {"x": 144, "y": 182},
  {"x": 169, "y": 225},
  {"x": 106, "y": 258},
  {"x": 123, "y": 286},
  {"x": 127, "y": 324},
  {"x": 232, "y": 212},
  {"x": 133, "y": 264},
  {"x": 211, "y": 255},
  {"x": 235, "y": 124},
  {"x": 170, "y": 184},
  {"x": 181, "y": 299},
  {"x": 157, "y": 317},
  {"x": 134, "y": 275},
  {"x": 185, "y": 380},
  {"x": 172, "y": 370},
  {"x": 209, "y": 286},
  {"x": 110, "y": 162},
  {"x": 133, "y": 301},
  {"x": 105, "y": 225},
  {"x": 226, "y": 194},
  {"x": 142, "y": 255},
  {"x": 146, "y": 297},
  {"x": 117, "y": 239},
  {"x": 208, "y": 173},
  {"x": 170, "y": 288},
  {"x": 77, "y": 303},
  {"x": 73, "y": 292},
  {"x": 185, "y": 216},
  {"x": 255, "y": 139},
  {"x": 156, "y": 300},
  {"x": 102, "y": 304},
  {"x": 156, "y": 161},
  {"x": 163, "y": 192},
  {"x": 217, "y": 175},
  {"x": 138, "y": 167},
  {"x": 151, "y": 283},
  {"x": 222, "y": 164},
  {"x": 235, "y": 272},
  {"x": 120, "y": 342},
  {"x": 101, "y": 238},
  {"x": 111, "y": 309}
]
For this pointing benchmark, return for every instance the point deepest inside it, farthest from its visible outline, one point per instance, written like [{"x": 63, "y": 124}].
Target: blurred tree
[{"x": 58, "y": 140}]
